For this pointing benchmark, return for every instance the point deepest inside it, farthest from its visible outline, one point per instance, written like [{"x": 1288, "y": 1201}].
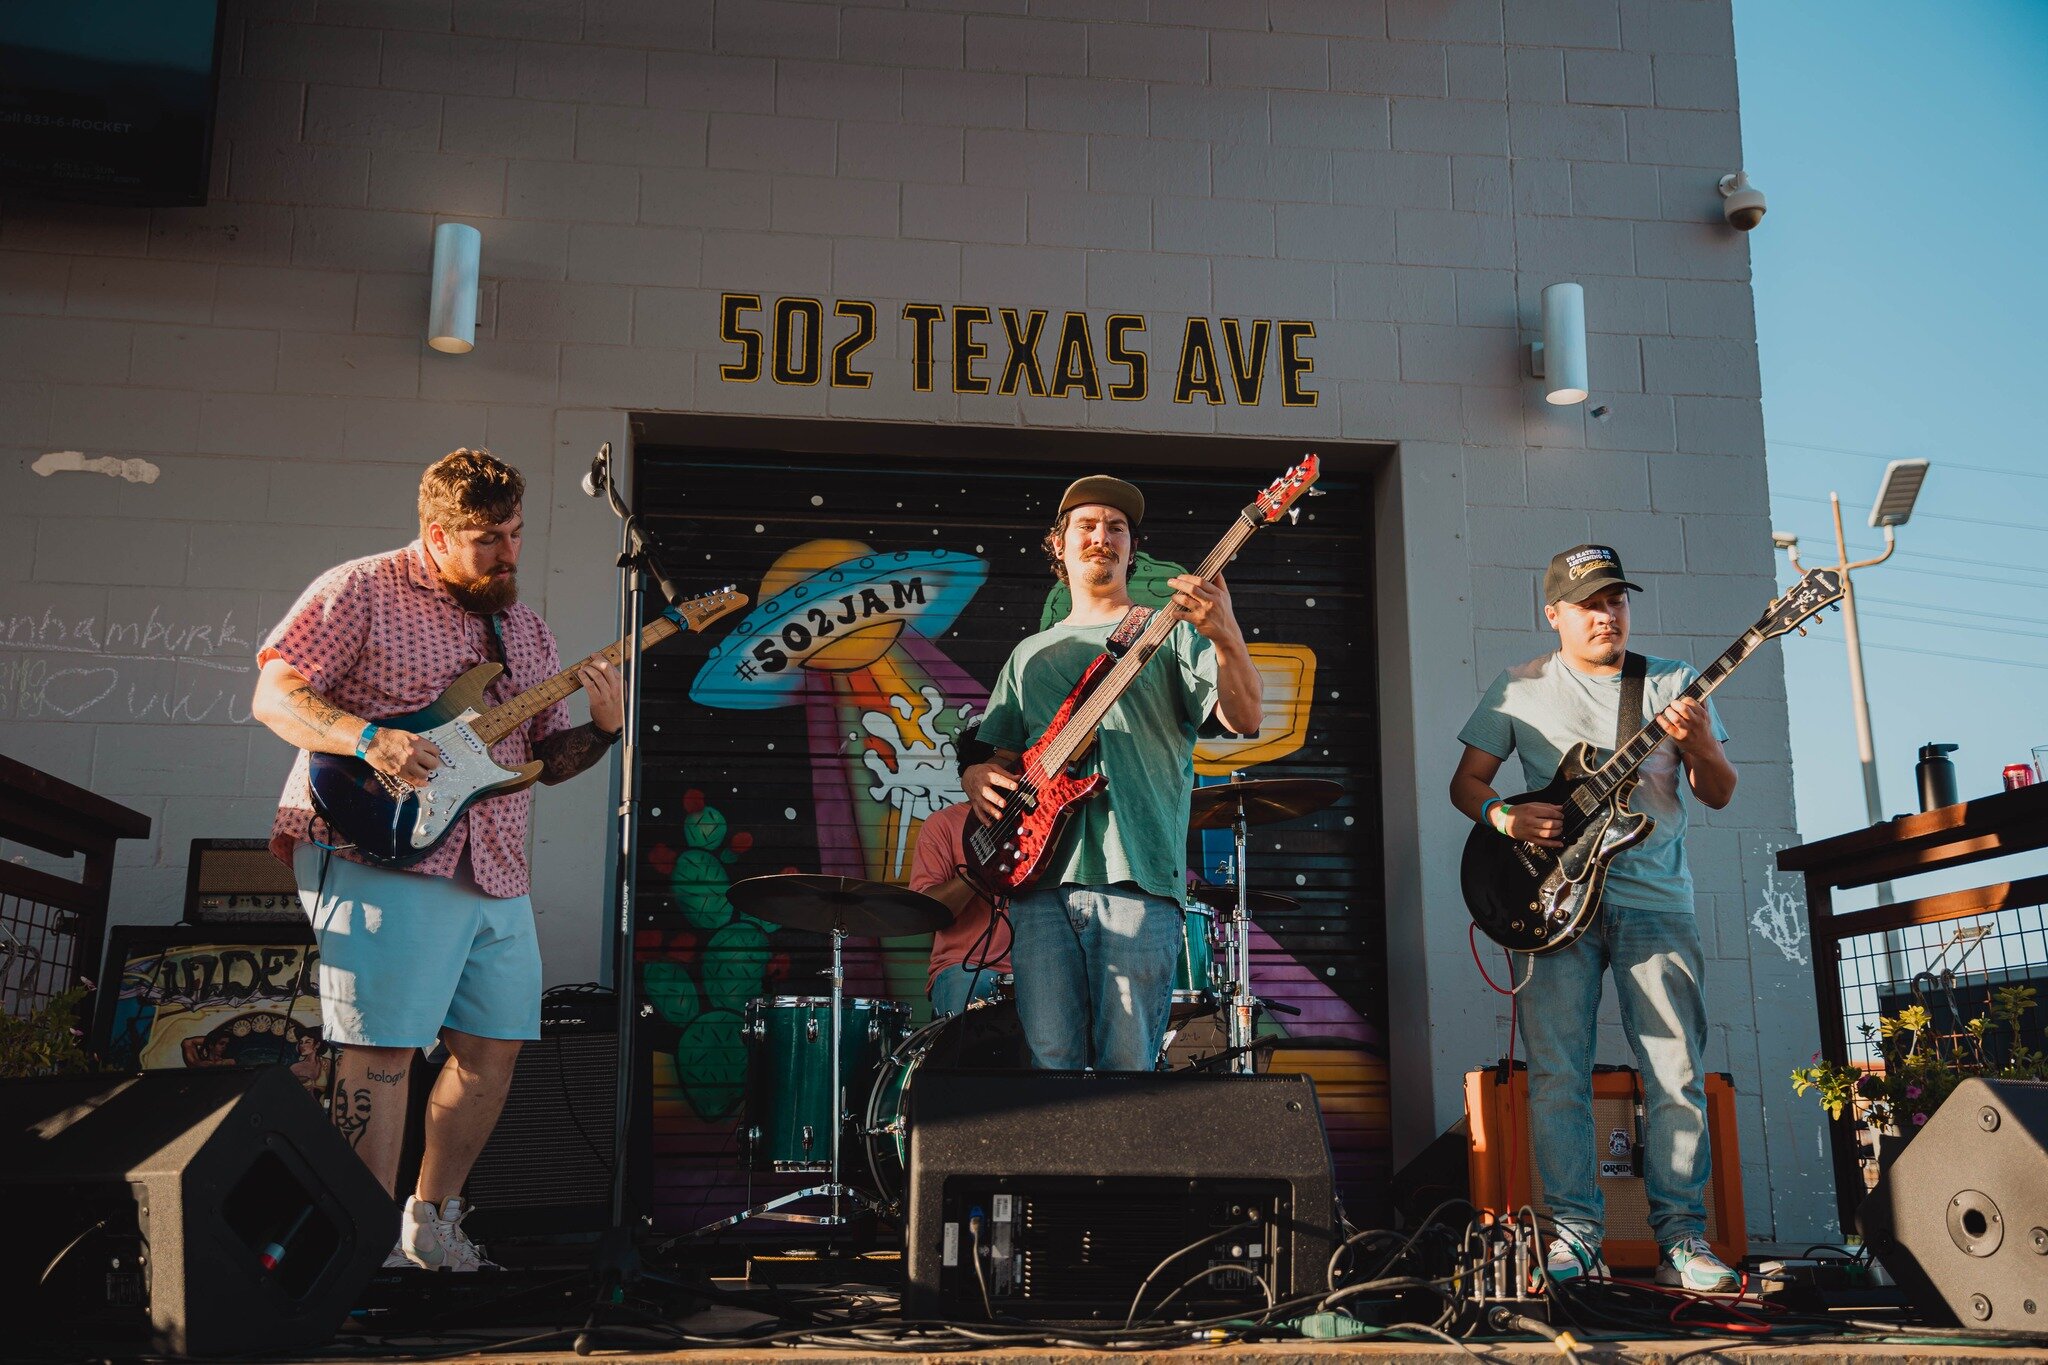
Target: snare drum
[{"x": 792, "y": 1096}]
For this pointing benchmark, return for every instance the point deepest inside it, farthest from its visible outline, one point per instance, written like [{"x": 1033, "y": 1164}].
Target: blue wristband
[
  {"x": 363, "y": 740},
  {"x": 1486, "y": 811}
]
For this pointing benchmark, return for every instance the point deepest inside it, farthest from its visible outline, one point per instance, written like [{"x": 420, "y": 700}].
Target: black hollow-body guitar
[{"x": 1538, "y": 900}]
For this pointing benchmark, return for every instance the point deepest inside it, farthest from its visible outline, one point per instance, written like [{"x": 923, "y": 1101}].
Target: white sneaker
[
  {"x": 1691, "y": 1264},
  {"x": 433, "y": 1239},
  {"x": 1571, "y": 1259},
  {"x": 398, "y": 1260}
]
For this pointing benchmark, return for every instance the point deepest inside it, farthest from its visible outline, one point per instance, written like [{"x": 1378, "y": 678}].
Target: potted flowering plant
[
  {"x": 46, "y": 1041},
  {"x": 1920, "y": 1067}
]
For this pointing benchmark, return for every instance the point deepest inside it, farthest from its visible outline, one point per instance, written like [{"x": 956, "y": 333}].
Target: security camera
[{"x": 1743, "y": 204}]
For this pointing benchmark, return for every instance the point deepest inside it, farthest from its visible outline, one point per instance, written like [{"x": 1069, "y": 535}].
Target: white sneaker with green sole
[{"x": 1691, "y": 1264}]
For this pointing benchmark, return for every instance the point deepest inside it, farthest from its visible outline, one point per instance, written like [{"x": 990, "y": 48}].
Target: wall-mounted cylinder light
[
  {"x": 1559, "y": 360},
  {"x": 451, "y": 316}
]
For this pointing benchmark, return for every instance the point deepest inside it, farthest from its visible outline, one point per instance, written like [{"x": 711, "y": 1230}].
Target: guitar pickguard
[{"x": 467, "y": 771}]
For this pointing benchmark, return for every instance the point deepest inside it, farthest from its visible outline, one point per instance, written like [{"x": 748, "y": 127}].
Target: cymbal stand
[
  {"x": 835, "y": 1188},
  {"x": 1242, "y": 1005}
]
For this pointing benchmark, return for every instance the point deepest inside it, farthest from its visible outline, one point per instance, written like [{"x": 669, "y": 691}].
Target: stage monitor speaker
[
  {"x": 1502, "y": 1160},
  {"x": 547, "y": 1167},
  {"x": 189, "y": 1212},
  {"x": 1068, "y": 1189},
  {"x": 1961, "y": 1218}
]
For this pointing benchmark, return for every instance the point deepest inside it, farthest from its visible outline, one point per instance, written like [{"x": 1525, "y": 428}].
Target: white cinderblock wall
[{"x": 1407, "y": 174}]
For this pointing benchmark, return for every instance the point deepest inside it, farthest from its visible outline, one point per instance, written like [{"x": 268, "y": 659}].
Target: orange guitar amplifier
[{"x": 1502, "y": 1162}]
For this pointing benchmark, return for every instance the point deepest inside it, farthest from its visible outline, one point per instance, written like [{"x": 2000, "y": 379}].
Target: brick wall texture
[{"x": 1406, "y": 174}]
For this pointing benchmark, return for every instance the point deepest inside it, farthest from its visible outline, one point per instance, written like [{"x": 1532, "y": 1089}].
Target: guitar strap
[
  {"x": 1128, "y": 630},
  {"x": 1628, "y": 715}
]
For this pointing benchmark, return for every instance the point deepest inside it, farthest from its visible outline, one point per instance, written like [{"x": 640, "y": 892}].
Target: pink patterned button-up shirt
[{"x": 381, "y": 637}]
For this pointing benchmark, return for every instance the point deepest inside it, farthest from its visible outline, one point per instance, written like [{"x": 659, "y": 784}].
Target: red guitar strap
[{"x": 1128, "y": 630}]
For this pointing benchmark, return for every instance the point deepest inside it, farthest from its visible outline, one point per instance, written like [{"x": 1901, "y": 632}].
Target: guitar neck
[
  {"x": 507, "y": 716},
  {"x": 1080, "y": 727},
  {"x": 1630, "y": 756}
]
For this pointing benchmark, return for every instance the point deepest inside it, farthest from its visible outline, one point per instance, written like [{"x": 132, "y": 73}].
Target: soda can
[{"x": 2018, "y": 775}]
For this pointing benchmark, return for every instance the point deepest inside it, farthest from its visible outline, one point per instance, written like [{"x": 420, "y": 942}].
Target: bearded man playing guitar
[
  {"x": 1645, "y": 933},
  {"x": 1096, "y": 939},
  {"x": 445, "y": 948}
]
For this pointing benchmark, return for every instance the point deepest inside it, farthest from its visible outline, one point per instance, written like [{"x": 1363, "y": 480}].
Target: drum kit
[{"x": 807, "y": 1055}]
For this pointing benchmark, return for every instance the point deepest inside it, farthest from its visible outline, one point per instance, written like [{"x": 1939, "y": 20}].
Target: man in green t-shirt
[{"x": 1096, "y": 939}]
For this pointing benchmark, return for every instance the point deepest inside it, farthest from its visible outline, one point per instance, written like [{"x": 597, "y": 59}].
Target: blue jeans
[
  {"x": 1655, "y": 959},
  {"x": 956, "y": 985},
  {"x": 1094, "y": 969}
]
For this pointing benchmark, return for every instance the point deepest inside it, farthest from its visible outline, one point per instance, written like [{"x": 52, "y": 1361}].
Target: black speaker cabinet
[
  {"x": 195, "y": 1212},
  {"x": 1961, "y": 1218},
  {"x": 1054, "y": 1195},
  {"x": 547, "y": 1167}
]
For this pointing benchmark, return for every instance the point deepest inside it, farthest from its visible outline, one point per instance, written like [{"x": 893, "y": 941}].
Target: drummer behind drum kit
[{"x": 806, "y": 1055}]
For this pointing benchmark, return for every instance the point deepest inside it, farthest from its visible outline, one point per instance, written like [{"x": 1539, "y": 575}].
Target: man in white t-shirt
[{"x": 1645, "y": 933}]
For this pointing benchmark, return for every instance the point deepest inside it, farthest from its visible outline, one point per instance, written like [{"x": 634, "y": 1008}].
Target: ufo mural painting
[{"x": 846, "y": 633}]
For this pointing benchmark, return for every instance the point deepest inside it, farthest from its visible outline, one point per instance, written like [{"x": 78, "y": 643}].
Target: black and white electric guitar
[
  {"x": 1537, "y": 900},
  {"x": 384, "y": 821}
]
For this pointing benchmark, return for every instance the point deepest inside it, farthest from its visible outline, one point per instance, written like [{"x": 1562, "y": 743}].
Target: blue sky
[{"x": 1902, "y": 294}]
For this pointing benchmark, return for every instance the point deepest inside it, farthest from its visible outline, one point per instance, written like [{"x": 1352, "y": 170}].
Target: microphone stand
[{"x": 617, "y": 1262}]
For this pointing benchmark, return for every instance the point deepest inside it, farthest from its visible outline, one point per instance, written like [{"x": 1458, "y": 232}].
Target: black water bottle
[{"x": 1937, "y": 776}]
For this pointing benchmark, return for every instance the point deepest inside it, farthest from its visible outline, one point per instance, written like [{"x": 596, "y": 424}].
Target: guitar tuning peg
[
  {"x": 1802, "y": 630},
  {"x": 1294, "y": 516}
]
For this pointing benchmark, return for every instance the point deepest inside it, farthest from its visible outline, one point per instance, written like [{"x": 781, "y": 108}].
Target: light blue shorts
[{"x": 403, "y": 956}]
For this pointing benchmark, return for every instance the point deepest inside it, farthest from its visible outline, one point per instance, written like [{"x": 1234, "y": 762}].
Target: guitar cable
[{"x": 1508, "y": 1066}]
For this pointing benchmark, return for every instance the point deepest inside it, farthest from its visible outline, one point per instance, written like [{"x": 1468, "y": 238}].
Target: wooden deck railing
[
  {"x": 52, "y": 926},
  {"x": 1980, "y": 830}
]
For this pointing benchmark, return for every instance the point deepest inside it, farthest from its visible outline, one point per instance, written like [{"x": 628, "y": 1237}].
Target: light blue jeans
[
  {"x": 1655, "y": 959},
  {"x": 1094, "y": 969},
  {"x": 956, "y": 985}
]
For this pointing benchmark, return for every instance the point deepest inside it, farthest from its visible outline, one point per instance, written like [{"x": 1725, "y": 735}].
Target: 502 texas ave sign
[{"x": 1016, "y": 350}]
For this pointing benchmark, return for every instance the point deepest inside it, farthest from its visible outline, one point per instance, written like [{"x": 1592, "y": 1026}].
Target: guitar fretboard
[
  {"x": 1081, "y": 724},
  {"x": 507, "y": 716},
  {"x": 1602, "y": 781}
]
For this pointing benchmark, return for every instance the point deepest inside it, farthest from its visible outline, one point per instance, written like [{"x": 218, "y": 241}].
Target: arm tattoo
[
  {"x": 313, "y": 708},
  {"x": 566, "y": 753}
]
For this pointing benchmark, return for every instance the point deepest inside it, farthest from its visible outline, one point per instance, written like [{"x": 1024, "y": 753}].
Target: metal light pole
[{"x": 1894, "y": 505}]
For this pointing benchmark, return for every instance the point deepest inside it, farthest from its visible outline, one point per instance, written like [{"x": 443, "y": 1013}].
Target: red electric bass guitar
[{"x": 1007, "y": 857}]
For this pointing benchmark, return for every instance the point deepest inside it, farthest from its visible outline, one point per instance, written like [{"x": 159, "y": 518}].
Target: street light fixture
[{"x": 1897, "y": 494}]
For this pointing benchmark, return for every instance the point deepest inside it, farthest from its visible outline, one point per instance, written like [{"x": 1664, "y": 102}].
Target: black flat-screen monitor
[{"x": 109, "y": 101}]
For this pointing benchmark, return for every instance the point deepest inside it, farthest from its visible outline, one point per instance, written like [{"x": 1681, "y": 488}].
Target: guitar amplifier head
[{"x": 239, "y": 881}]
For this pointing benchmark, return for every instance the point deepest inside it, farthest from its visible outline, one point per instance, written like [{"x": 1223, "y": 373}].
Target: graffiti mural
[
  {"x": 189, "y": 998},
  {"x": 818, "y": 734}
]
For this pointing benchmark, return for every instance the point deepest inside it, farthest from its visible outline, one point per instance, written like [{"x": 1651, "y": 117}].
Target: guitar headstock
[
  {"x": 1279, "y": 496},
  {"x": 1820, "y": 588},
  {"x": 700, "y": 612}
]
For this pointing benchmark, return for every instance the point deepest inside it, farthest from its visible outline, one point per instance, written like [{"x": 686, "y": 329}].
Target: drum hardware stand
[
  {"x": 1241, "y": 1003},
  {"x": 836, "y": 1188}
]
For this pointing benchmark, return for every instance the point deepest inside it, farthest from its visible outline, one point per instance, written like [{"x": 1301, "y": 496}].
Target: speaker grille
[{"x": 547, "y": 1165}]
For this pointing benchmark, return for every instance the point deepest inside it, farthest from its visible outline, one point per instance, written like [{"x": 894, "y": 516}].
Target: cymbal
[
  {"x": 1224, "y": 899},
  {"x": 1267, "y": 801},
  {"x": 802, "y": 900}
]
